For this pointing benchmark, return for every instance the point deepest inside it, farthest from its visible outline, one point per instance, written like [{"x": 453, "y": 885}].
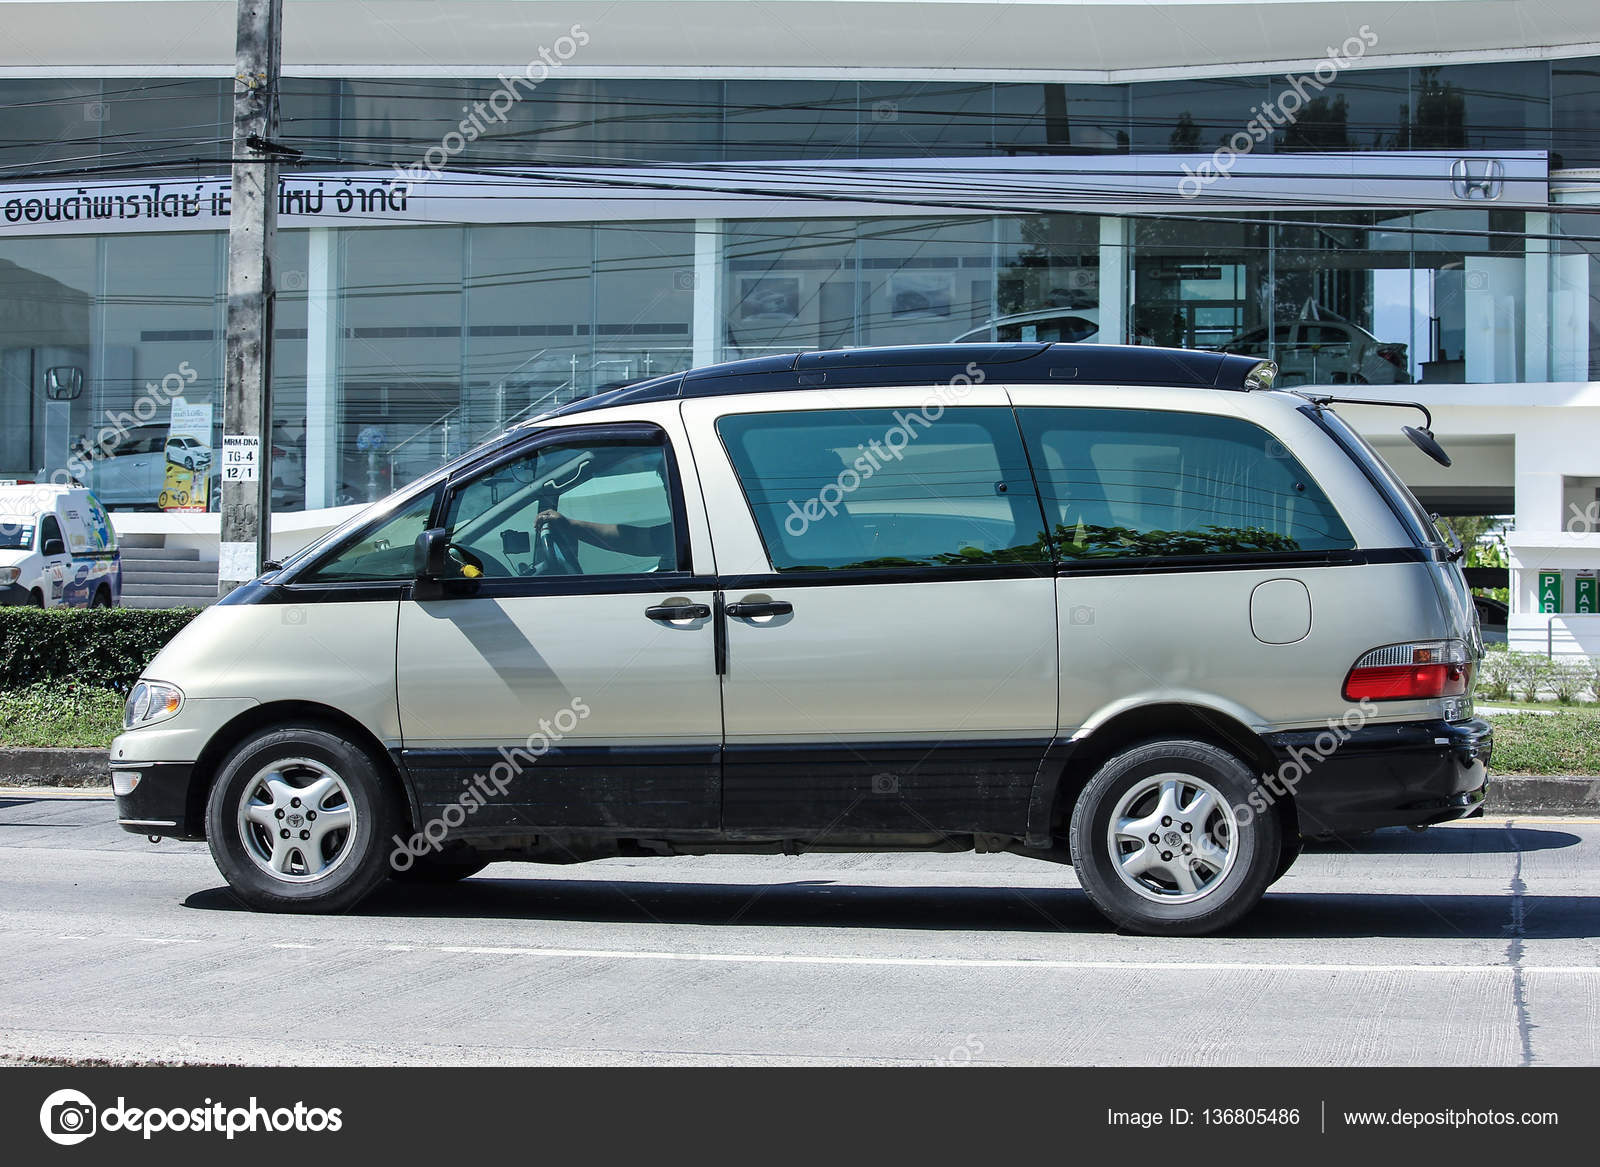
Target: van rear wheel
[
  {"x": 297, "y": 821},
  {"x": 1166, "y": 842}
]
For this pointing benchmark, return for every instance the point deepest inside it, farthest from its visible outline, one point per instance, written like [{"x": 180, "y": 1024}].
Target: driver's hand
[{"x": 552, "y": 519}]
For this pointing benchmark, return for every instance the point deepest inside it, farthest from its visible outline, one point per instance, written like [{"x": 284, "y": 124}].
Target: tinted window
[
  {"x": 887, "y": 488},
  {"x": 1120, "y": 482},
  {"x": 385, "y": 551},
  {"x": 49, "y": 529},
  {"x": 600, "y": 508}
]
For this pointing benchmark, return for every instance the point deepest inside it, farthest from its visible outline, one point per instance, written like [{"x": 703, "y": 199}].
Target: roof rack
[{"x": 932, "y": 364}]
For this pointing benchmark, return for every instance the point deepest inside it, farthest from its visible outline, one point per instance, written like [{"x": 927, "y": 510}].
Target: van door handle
[
  {"x": 678, "y": 612},
  {"x": 765, "y": 608}
]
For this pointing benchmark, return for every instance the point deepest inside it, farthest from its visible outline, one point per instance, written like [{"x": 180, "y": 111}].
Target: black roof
[{"x": 860, "y": 368}]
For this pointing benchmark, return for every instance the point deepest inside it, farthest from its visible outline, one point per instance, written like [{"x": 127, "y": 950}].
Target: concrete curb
[
  {"x": 1546, "y": 794},
  {"x": 55, "y": 767}
]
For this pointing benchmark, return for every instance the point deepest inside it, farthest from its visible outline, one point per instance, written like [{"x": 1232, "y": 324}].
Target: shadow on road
[
  {"x": 823, "y": 904},
  {"x": 1446, "y": 841}
]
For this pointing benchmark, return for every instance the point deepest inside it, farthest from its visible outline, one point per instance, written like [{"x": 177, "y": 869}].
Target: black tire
[
  {"x": 1236, "y": 887},
  {"x": 1293, "y": 844},
  {"x": 102, "y": 598},
  {"x": 431, "y": 869},
  {"x": 36, "y": 598},
  {"x": 362, "y": 862}
]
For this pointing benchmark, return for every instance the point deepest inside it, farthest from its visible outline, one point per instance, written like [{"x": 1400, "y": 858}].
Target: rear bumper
[
  {"x": 1409, "y": 773},
  {"x": 160, "y": 803}
]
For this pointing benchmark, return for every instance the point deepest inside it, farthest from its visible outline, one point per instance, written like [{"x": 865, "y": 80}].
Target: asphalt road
[{"x": 1474, "y": 944}]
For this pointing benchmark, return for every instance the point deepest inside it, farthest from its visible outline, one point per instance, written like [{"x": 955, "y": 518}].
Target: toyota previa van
[{"x": 1127, "y": 608}]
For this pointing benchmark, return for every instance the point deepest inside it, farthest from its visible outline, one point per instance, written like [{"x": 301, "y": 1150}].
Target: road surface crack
[{"x": 1516, "y": 930}]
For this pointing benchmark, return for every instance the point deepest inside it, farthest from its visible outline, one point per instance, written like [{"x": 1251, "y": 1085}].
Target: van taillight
[{"x": 1410, "y": 672}]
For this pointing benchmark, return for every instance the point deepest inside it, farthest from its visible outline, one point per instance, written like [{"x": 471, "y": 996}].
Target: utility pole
[{"x": 246, "y": 455}]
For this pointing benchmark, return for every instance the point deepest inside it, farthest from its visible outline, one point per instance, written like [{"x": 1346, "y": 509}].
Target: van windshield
[{"x": 15, "y": 535}]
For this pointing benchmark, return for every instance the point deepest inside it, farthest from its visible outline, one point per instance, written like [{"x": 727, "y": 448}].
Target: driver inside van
[{"x": 654, "y": 541}]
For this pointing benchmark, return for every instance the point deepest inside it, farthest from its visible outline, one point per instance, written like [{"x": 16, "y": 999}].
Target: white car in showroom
[{"x": 1326, "y": 351}]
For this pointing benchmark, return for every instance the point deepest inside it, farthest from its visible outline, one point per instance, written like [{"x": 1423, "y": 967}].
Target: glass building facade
[
  {"x": 1501, "y": 105},
  {"x": 398, "y": 345}
]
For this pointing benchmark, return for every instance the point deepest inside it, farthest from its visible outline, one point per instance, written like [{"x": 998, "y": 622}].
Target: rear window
[
  {"x": 1405, "y": 505},
  {"x": 1142, "y": 483}
]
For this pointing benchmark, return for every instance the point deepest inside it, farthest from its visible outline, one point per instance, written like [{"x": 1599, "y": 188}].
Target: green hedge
[{"x": 103, "y": 648}]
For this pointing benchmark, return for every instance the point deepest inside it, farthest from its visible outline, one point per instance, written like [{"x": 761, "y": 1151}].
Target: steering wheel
[{"x": 555, "y": 551}]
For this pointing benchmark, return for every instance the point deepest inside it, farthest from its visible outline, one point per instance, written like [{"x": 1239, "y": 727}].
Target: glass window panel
[
  {"x": 385, "y": 551},
  {"x": 789, "y": 284},
  {"x": 1360, "y": 109},
  {"x": 1193, "y": 116},
  {"x": 924, "y": 283},
  {"x": 845, "y": 489},
  {"x": 583, "y": 509},
  {"x": 48, "y": 292},
  {"x": 790, "y": 119},
  {"x": 1575, "y": 110},
  {"x": 913, "y": 119},
  {"x": 529, "y": 306},
  {"x": 644, "y": 301},
  {"x": 1469, "y": 280},
  {"x": 51, "y": 124},
  {"x": 1048, "y": 281},
  {"x": 161, "y": 320},
  {"x": 1575, "y": 301},
  {"x": 1061, "y": 119},
  {"x": 289, "y": 409},
  {"x": 165, "y": 120},
  {"x": 1343, "y": 303},
  {"x": 653, "y": 121},
  {"x": 1130, "y": 483},
  {"x": 1199, "y": 284},
  {"x": 1504, "y": 105},
  {"x": 400, "y": 355}
]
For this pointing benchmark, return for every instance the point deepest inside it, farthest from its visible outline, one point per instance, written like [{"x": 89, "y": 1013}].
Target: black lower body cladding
[{"x": 1408, "y": 773}]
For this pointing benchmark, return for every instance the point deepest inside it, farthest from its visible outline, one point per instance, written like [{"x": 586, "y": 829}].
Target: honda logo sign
[{"x": 1478, "y": 178}]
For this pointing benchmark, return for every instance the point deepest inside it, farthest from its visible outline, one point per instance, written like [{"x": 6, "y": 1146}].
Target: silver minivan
[{"x": 1124, "y": 607}]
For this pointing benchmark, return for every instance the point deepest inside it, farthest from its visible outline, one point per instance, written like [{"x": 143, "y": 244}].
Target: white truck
[{"x": 57, "y": 548}]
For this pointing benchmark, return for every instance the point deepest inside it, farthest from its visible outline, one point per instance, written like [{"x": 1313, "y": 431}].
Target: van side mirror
[
  {"x": 431, "y": 558},
  {"x": 54, "y": 547}
]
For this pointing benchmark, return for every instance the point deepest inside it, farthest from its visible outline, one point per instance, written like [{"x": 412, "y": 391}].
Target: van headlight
[
  {"x": 150, "y": 702},
  {"x": 9, "y": 576}
]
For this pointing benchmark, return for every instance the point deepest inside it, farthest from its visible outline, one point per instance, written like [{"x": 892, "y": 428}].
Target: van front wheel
[
  {"x": 1166, "y": 840},
  {"x": 297, "y": 821}
]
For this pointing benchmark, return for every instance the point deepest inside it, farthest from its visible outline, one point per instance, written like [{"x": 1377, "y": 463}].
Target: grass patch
[
  {"x": 55, "y": 716},
  {"x": 1553, "y": 706},
  {"x": 1546, "y": 743}
]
